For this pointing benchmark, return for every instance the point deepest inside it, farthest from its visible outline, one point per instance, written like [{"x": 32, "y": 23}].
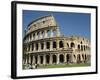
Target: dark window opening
[
  {"x": 78, "y": 47},
  {"x": 61, "y": 44},
  {"x": 41, "y": 59},
  {"x": 81, "y": 47},
  {"x": 72, "y": 45},
  {"x": 61, "y": 58},
  {"x": 42, "y": 45},
  {"x": 54, "y": 58},
  {"x": 32, "y": 46},
  {"x": 47, "y": 59},
  {"x": 48, "y": 45},
  {"x": 36, "y": 46},
  {"x": 54, "y": 44}
]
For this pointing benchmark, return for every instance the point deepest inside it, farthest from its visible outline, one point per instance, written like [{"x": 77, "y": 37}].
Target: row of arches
[
  {"x": 48, "y": 59},
  {"x": 54, "y": 44},
  {"x": 55, "y": 59},
  {"x": 41, "y": 34},
  {"x": 82, "y": 47}
]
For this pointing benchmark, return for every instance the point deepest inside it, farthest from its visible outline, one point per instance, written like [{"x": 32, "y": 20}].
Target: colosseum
[{"x": 43, "y": 44}]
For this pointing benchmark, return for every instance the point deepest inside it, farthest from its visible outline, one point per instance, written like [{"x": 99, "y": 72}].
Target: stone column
[
  {"x": 57, "y": 58},
  {"x": 29, "y": 59},
  {"x": 51, "y": 35},
  {"x": 50, "y": 61},
  {"x": 39, "y": 45},
  {"x": 36, "y": 36},
  {"x": 34, "y": 46},
  {"x": 33, "y": 60},
  {"x": 45, "y": 34},
  {"x": 44, "y": 59},
  {"x": 57, "y": 44},
  {"x": 25, "y": 59},
  {"x": 65, "y": 58},
  {"x": 38, "y": 59},
  {"x": 76, "y": 59},
  {"x": 40, "y": 35},
  {"x": 44, "y": 46},
  {"x": 81, "y": 57}
]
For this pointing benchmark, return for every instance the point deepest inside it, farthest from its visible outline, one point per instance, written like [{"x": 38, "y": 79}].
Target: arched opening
[
  {"x": 81, "y": 42},
  {"x": 72, "y": 45},
  {"x": 78, "y": 58},
  {"x": 36, "y": 46},
  {"x": 32, "y": 46},
  {"x": 42, "y": 45},
  {"x": 33, "y": 36},
  {"x": 81, "y": 48},
  {"x": 54, "y": 44},
  {"x": 48, "y": 45},
  {"x": 41, "y": 59},
  {"x": 38, "y": 35},
  {"x": 30, "y": 36},
  {"x": 61, "y": 44},
  {"x": 47, "y": 59},
  {"x": 28, "y": 58},
  {"x": 43, "y": 22},
  {"x": 84, "y": 47},
  {"x": 61, "y": 57},
  {"x": 68, "y": 58},
  {"x": 54, "y": 58},
  {"x": 31, "y": 56},
  {"x": 43, "y": 34},
  {"x": 36, "y": 59},
  {"x": 78, "y": 47},
  {"x": 85, "y": 57}
]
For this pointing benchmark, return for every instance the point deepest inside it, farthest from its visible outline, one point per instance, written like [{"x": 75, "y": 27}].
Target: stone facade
[{"x": 43, "y": 44}]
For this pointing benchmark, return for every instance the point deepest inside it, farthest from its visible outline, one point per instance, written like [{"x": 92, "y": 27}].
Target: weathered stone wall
[{"x": 43, "y": 44}]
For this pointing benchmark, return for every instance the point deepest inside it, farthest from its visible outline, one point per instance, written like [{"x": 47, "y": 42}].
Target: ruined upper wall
[{"x": 42, "y": 22}]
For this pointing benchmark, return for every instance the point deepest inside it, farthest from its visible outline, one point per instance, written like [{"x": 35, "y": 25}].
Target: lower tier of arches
[{"x": 58, "y": 58}]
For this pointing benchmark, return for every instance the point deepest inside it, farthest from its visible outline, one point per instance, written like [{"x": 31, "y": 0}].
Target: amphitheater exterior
[{"x": 43, "y": 44}]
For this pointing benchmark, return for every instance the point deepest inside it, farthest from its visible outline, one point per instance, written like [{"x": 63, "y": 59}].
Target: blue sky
[{"x": 69, "y": 23}]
